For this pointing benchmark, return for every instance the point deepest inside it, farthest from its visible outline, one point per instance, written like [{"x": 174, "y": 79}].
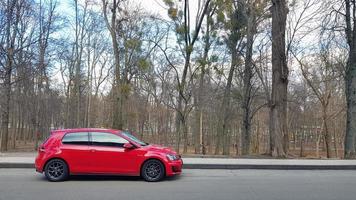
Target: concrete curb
[
  {"x": 17, "y": 165},
  {"x": 227, "y": 166},
  {"x": 270, "y": 167}
]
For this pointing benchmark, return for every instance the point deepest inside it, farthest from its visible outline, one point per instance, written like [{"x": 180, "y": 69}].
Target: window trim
[
  {"x": 88, "y": 141},
  {"x": 91, "y": 139}
]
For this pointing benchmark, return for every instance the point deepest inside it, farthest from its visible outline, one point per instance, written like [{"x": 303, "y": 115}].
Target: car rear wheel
[
  {"x": 152, "y": 171},
  {"x": 56, "y": 170}
]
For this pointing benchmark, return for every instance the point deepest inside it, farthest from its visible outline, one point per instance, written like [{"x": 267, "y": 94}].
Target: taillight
[{"x": 41, "y": 149}]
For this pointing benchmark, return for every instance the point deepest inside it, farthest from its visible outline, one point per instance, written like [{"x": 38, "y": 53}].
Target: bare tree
[
  {"x": 46, "y": 20},
  {"x": 113, "y": 25},
  {"x": 189, "y": 38},
  {"x": 278, "y": 120},
  {"x": 323, "y": 82},
  {"x": 14, "y": 13},
  {"x": 350, "y": 79}
]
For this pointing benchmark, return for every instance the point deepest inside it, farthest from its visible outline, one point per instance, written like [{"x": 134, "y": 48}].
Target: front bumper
[{"x": 174, "y": 167}]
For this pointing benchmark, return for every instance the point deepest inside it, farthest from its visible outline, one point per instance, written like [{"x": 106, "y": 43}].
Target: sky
[
  {"x": 153, "y": 6},
  {"x": 157, "y": 7}
]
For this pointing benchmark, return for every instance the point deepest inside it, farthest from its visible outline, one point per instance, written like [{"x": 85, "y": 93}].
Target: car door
[
  {"x": 75, "y": 151},
  {"x": 109, "y": 155}
]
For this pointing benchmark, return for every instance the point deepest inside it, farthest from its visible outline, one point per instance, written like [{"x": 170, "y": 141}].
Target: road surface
[{"x": 193, "y": 184}]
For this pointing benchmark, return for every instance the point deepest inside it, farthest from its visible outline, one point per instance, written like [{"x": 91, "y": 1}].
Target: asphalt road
[{"x": 193, "y": 184}]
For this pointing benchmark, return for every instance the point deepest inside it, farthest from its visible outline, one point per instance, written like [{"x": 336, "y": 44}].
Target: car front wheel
[
  {"x": 56, "y": 170},
  {"x": 152, "y": 171}
]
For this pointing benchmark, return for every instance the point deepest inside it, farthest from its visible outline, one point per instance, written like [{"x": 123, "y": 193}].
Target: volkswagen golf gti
[{"x": 104, "y": 151}]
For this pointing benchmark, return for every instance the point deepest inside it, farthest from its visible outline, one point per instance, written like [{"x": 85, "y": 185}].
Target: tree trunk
[
  {"x": 294, "y": 140},
  {"x": 247, "y": 86},
  {"x": 350, "y": 84},
  {"x": 6, "y": 99},
  {"x": 117, "y": 122},
  {"x": 335, "y": 142},
  {"x": 5, "y": 115},
  {"x": 189, "y": 40},
  {"x": 14, "y": 130},
  {"x": 178, "y": 128},
  {"x": 185, "y": 137},
  {"x": 278, "y": 119},
  {"x": 271, "y": 129},
  {"x": 45, "y": 30},
  {"x": 317, "y": 145},
  {"x": 180, "y": 120},
  {"x": 198, "y": 132},
  {"x": 197, "y": 126},
  {"x": 326, "y": 134},
  {"x": 223, "y": 123},
  {"x": 301, "y": 154},
  {"x": 199, "y": 146},
  {"x": 89, "y": 84}
]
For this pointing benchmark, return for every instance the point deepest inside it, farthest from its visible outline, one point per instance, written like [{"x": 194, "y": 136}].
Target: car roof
[{"x": 83, "y": 130}]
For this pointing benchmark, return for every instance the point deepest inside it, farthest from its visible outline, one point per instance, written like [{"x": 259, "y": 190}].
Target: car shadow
[
  {"x": 103, "y": 178},
  {"x": 111, "y": 178}
]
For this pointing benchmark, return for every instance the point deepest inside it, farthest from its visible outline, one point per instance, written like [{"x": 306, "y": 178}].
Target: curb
[
  {"x": 17, "y": 165},
  {"x": 270, "y": 167},
  {"x": 227, "y": 166}
]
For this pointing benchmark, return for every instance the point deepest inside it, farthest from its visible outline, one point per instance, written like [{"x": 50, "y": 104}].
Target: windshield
[{"x": 128, "y": 134}]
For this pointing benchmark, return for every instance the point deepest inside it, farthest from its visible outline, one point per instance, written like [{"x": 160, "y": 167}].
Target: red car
[{"x": 104, "y": 151}]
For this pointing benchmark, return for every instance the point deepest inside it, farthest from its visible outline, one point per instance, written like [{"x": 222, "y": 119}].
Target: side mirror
[{"x": 128, "y": 146}]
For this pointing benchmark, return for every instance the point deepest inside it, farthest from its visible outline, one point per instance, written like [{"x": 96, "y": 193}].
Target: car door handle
[{"x": 92, "y": 150}]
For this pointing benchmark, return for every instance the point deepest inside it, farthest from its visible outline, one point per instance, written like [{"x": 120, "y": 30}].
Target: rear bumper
[
  {"x": 39, "y": 162},
  {"x": 38, "y": 166},
  {"x": 174, "y": 167}
]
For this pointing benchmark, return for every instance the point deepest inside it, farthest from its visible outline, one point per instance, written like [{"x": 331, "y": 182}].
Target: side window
[
  {"x": 76, "y": 138},
  {"x": 107, "y": 139}
]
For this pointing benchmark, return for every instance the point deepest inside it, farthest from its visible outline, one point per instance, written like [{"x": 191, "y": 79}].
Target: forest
[{"x": 217, "y": 77}]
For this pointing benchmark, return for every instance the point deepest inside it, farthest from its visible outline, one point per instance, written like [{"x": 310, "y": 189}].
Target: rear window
[{"x": 81, "y": 138}]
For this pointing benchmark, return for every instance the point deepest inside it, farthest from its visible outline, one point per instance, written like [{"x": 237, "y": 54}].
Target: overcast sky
[{"x": 157, "y": 7}]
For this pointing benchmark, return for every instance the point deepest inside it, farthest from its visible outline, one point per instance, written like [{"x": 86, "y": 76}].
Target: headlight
[{"x": 172, "y": 157}]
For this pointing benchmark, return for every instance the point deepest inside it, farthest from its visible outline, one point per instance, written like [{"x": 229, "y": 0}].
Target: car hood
[{"x": 158, "y": 148}]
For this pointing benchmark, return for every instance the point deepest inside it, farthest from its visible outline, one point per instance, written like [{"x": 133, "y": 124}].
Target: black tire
[
  {"x": 56, "y": 170},
  {"x": 153, "y": 170}
]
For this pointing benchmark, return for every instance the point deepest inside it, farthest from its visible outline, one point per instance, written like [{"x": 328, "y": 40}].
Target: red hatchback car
[{"x": 104, "y": 151}]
